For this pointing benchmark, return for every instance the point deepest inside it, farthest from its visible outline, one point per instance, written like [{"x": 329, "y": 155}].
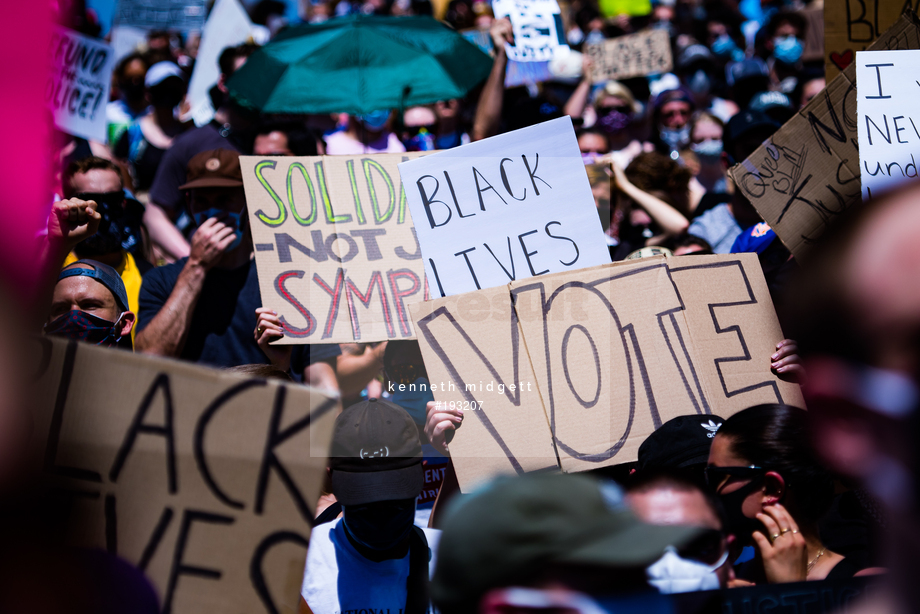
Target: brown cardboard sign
[
  {"x": 807, "y": 174},
  {"x": 613, "y": 351},
  {"x": 203, "y": 479},
  {"x": 853, "y": 25},
  {"x": 335, "y": 246},
  {"x": 633, "y": 55}
]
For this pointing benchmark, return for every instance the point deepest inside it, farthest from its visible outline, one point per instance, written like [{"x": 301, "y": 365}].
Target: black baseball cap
[
  {"x": 747, "y": 123},
  {"x": 514, "y": 527},
  {"x": 104, "y": 274},
  {"x": 376, "y": 454},
  {"x": 680, "y": 442}
]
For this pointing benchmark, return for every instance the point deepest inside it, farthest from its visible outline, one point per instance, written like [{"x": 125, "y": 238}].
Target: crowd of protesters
[{"x": 148, "y": 249}]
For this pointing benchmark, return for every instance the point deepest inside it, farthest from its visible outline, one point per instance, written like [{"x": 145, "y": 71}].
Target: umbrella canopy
[{"x": 359, "y": 64}]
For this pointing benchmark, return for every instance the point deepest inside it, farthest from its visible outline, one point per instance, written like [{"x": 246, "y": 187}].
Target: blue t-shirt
[{"x": 221, "y": 330}]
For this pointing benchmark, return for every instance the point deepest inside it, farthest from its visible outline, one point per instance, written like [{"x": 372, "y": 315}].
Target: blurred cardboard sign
[
  {"x": 181, "y": 15},
  {"x": 573, "y": 371},
  {"x": 888, "y": 126},
  {"x": 509, "y": 207},
  {"x": 78, "y": 83},
  {"x": 335, "y": 247},
  {"x": 516, "y": 73},
  {"x": 203, "y": 479},
  {"x": 853, "y": 25},
  {"x": 807, "y": 174},
  {"x": 537, "y": 25},
  {"x": 633, "y": 55}
]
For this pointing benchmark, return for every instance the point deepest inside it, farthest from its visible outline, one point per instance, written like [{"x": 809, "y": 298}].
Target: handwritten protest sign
[
  {"x": 335, "y": 247},
  {"x": 574, "y": 370},
  {"x": 504, "y": 208},
  {"x": 78, "y": 83},
  {"x": 888, "y": 127},
  {"x": 182, "y": 15},
  {"x": 203, "y": 479},
  {"x": 227, "y": 25},
  {"x": 633, "y": 55},
  {"x": 807, "y": 174},
  {"x": 853, "y": 25},
  {"x": 537, "y": 25}
]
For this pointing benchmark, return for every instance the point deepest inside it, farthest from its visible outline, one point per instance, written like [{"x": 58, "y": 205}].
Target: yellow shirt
[{"x": 130, "y": 275}]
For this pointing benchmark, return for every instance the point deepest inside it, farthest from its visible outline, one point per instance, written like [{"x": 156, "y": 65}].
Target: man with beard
[{"x": 99, "y": 180}]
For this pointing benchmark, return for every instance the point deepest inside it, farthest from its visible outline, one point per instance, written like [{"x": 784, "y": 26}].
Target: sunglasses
[
  {"x": 405, "y": 374},
  {"x": 709, "y": 548},
  {"x": 717, "y": 476},
  {"x": 606, "y": 110},
  {"x": 112, "y": 199}
]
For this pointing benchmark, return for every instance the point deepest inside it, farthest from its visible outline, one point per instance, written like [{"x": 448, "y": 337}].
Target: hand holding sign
[
  {"x": 268, "y": 329},
  {"x": 440, "y": 423}
]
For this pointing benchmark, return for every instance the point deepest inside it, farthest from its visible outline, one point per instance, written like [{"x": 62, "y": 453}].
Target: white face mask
[{"x": 673, "y": 574}]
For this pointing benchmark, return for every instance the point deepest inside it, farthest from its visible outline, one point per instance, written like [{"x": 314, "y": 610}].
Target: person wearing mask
[
  {"x": 144, "y": 143},
  {"x": 373, "y": 557},
  {"x": 131, "y": 104},
  {"x": 783, "y": 41},
  {"x": 118, "y": 237},
  {"x": 668, "y": 497},
  {"x": 90, "y": 304},
  {"x": 230, "y": 129},
  {"x": 545, "y": 537},
  {"x": 365, "y": 133},
  {"x": 775, "y": 491},
  {"x": 671, "y": 113},
  {"x": 207, "y": 308},
  {"x": 696, "y": 66},
  {"x": 706, "y": 131}
]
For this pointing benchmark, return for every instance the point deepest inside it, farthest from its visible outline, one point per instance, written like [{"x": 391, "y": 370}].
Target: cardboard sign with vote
[
  {"x": 509, "y": 207},
  {"x": 538, "y": 31},
  {"x": 78, "y": 83},
  {"x": 205, "y": 480},
  {"x": 633, "y": 55},
  {"x": 853, "y": 25},
  {"x": 335, "y": 247},
  {"x": 889, "y": 125},
  {"x": 182, "y": 15},
  {"x": 808, "y": 173},
  {"x": 582, "y": 366}
]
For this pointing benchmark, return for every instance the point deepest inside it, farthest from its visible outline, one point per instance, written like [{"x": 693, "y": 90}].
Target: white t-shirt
[{"x": 338, "y": 580}]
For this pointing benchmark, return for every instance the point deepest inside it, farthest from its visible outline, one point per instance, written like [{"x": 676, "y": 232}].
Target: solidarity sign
[{"x": 204, "y": 480}]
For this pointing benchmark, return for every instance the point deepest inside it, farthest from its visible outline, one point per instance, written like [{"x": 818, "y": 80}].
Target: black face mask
[
  {"x": 132, "y": 90},
  {"x": 380, "y": 526},
  {"x": 737, "y": 523},
  {"x": 168, "y": 94},
  {"x": 119, "y": 228}
]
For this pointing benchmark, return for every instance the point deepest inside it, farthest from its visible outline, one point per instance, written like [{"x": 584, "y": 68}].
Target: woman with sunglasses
[{"x": 774, "y": 492}]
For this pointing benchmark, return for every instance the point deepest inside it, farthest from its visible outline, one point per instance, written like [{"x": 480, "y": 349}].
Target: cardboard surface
[
  {"x": 509, "y": 207},
  {"x": 335, "y": 246},
  {"x": 853, "y": 25},
  {"x": 78, "y": 83},
  {"x": 182, "y": 15},
  {"x": 174, "y": 466},
  {"x": 807, "y": 174},
  {"x": 613, "y": 351},
  {"x": 538, "y": 31},
  {"x": 889, "y": 125},
  {"x": 227, "y": 25},
  {"x": 633, "y": 55}
]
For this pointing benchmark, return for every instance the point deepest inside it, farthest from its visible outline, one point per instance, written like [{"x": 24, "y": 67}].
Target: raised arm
[
  {"x": 489, "y": 109},
  {"x": 575, "y": 106},
  {"x": 166, "y": 333},
  {"x": 164, "y": 233},
  {"x": 671, "y": 220}
]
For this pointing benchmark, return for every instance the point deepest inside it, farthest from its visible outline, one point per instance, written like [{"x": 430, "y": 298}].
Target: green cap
[{"x": 512, "y": 527}]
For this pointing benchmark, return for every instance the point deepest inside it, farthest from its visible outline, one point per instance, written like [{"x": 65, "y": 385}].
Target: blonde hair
[{"x": 615, "y": 88}]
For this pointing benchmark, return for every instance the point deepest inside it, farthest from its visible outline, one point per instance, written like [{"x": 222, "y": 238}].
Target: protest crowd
[{"x": 162, "y": 241}]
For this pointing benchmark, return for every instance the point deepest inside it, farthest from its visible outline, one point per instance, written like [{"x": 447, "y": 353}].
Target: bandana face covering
[{"x": 82, "y": 326}]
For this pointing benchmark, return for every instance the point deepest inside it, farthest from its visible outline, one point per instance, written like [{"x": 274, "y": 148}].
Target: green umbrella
[{"x": 359, "y": 64}]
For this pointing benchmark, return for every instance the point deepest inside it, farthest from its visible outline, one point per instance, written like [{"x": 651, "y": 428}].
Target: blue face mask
[
  {"x": 227, "y": 217},
  {"x": 724, "y": 46},
  {"x": 788, "y": 49},
  {"x": 375, "y": 120},
  {"x": 709, "y": 150},
  {"x": 699, "y": 83},
  {"x": 414, "y": 401}
]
